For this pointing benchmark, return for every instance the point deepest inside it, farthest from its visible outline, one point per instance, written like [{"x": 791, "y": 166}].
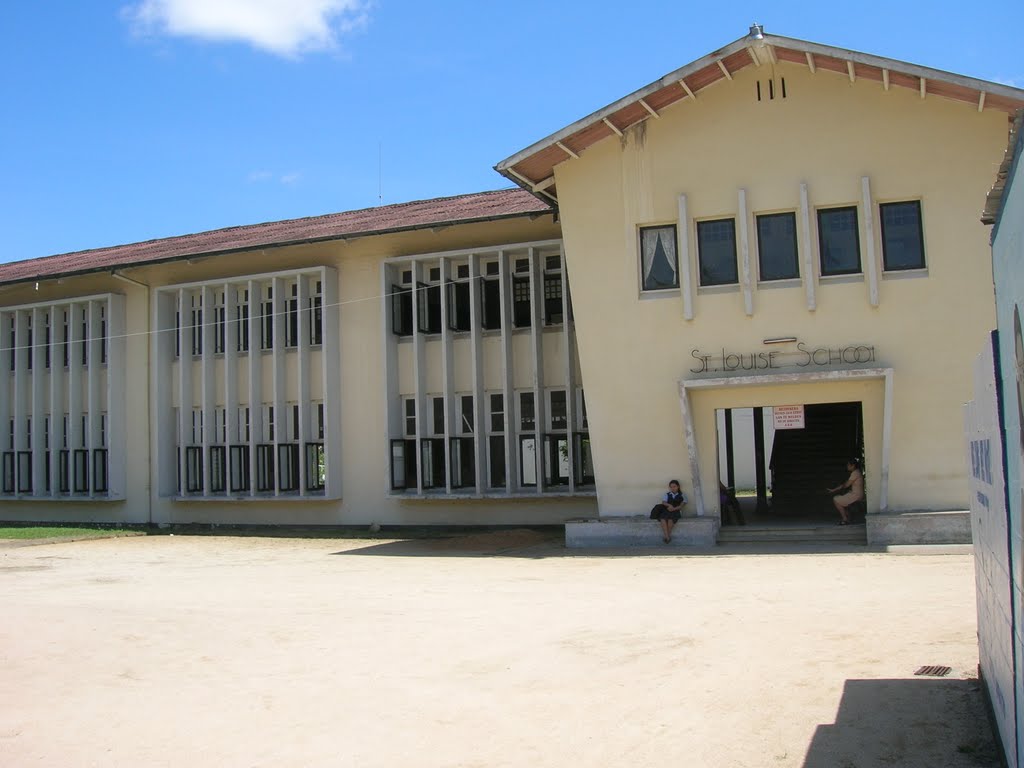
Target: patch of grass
[{"x": 52, "y": 532}]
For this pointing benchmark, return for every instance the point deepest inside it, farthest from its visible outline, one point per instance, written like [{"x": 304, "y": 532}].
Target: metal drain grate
[{"x": 934, "y": 671}]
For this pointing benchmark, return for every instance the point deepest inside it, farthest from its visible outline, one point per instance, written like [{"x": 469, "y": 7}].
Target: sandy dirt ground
[{"x": 498, "y": 649}]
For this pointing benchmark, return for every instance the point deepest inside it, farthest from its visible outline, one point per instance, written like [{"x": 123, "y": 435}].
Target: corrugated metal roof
[{"x": 419, "y": 214}]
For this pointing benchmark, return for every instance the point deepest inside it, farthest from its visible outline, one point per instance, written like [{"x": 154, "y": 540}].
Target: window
[
  {"x": 264, "y": 467},
  {"x": 497, "y": 402},
  {"x": 288, "y": 467},
  {"x": 267, "y": 326},
  {"x": 410, "y": 417},
  {"x": 432, "y": 459},
  {"x": 220, "y": 324},
  {"x": 528, "y": 459},
  {"x": 403, "y": 464},
  {"x": 496, "y": 461},
  {"x": 291, "y": 327},
  {"x": 218, "y": 468},
  {"x": 8, "y": 470},
  {"x": 99, "y": 470},
  {"x": 716, "y": 252},
  {"x": 193, "y": 469},
  {"x": 242, "y": 318},
  {"x": 401, "y": 311},
  {"x": 316, "y": 466},
  {"x": 463, "y": 462},
  {"x": 81, "y": 462},
  {"x": 526, "y": 412},
  {"x": 839, "y": 241},
  {"x": 458, "y": 302},
  {"x": 556, "y": 460},
  {"x": 239, "y": 467},
  {"x": 429, "y": 308},
  {"x": 316, "y": 314},
  {"x": 465, "y": 415},
  {"x": 558, "y": 415},
  {"x": 437, "y": 411},
  {"x": 658, "y": 260},
  {"x": 197, "y": 324},
  {"x": 521, "y": 317},
  {"x": 584, "y": 460},
  {"x": 24, "y": 471},
  {"x": 490, "y": 297},
  {"x": 776, "y": 247},
  {"x": 496, "y": 476},
  {"x": 553, "y": 314},
  {"x": 902, "y": 236}
]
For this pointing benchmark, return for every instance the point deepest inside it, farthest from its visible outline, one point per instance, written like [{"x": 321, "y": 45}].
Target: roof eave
[{"x": 192, "y": 255}]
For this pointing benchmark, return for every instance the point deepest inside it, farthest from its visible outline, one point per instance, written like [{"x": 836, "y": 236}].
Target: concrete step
[{"x": 766, "y": 534}]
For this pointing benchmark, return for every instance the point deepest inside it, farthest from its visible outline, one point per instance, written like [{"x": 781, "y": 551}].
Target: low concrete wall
[
  {"x": 640, "y": 532},
  {"x": 919, "y": 528}
]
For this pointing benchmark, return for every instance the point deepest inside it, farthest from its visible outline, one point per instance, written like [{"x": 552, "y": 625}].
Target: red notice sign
[{"x": 788, "y": 416}]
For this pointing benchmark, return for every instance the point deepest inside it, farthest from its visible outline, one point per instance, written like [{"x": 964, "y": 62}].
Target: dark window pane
[
  {"x": 776, "y": 247},
  {"x": 716, "y": 249},
  {"x": 496, "y": 461},
  {"x": 401, "y": 311},
  {"x": 490, "y": 294},
  {"x": 466, "y": 425},
  {"x": 902, "y": 236},
  {"x": 521, "y": 302},
  {"x": 429, "y": 308},
  {"x": 316, "y": 467},
  {"x": 658, "y": 261},
  {"x": 432, "y": 457},
  {"x": 403, "y": 464},
  {"x": 497, "y": 413},
  {"x": 463, "y": 462},
  {"x": 458, "y": 306},
  {"x": 558, "y": 409},
  {"x": 437, "y": 405},
  {"x": 552, "y": 299},
  {"x": 584, "y": 460},
  {"x": 239, "y": 468},
  {"x": 839, "y": 241},
  {"x": 526, "y": 412}
]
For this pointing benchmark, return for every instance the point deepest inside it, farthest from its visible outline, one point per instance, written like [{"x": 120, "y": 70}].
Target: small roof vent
[{"x": 757, "y": 31}]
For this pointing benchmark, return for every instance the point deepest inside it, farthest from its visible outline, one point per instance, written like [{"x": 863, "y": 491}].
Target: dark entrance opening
[{"x": 782, "y": 474}]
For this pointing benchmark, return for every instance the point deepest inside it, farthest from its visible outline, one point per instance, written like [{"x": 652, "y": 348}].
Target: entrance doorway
[{"x": 779, "y": 469}]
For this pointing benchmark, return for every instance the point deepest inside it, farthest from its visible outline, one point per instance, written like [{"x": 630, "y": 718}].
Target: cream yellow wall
[
  {"x": 135, "y": 507},
  {"x": 827, "y": 133},
  {"x": 364, "y": 452}
]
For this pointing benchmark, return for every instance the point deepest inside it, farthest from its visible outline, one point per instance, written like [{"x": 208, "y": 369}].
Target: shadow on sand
[{"x": 916, "y": 722}]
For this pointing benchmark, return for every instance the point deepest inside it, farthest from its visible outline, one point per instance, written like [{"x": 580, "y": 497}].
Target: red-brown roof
[
  {"x": 419, "y": 214},
  {"x": 533, "y": 168}
]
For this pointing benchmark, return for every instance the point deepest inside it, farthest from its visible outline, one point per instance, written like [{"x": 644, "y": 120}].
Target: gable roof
[
  {"x": 533, "y": 168},
  {"x": 401, "y": 217},
  {"x": 1014, "y": 150}
]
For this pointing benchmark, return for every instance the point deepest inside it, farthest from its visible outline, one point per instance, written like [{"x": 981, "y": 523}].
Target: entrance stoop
[
  {"x": 793, "y": 533},
  {"x": 920, "y": 528},
  {"x": 690, "y": 532}
]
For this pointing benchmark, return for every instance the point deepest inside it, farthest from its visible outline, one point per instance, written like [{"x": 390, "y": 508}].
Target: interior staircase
[{"x": 804, "y": 462}]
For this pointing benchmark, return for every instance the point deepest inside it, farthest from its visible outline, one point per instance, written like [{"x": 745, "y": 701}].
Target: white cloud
[
  {"x": 283, "y": 27},
  {"x": 256, "y": 176},
  {"x": 290, "y": 178}
]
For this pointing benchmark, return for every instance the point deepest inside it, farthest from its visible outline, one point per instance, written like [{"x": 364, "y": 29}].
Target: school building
[{"x": 780, "y": 226}]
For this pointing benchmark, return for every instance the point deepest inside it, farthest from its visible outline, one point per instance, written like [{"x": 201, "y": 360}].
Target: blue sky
[{"x": 134, "y": 119}]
